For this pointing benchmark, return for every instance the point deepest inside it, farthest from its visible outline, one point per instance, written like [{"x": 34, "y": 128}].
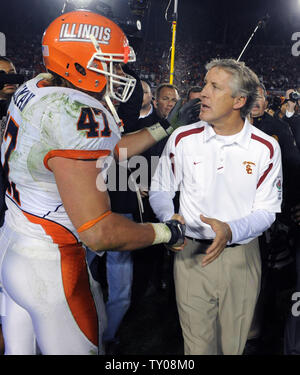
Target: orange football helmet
[{"x": 83, "y": 47}]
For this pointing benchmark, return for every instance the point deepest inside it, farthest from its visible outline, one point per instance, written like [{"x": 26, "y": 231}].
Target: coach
[{"x": 229, "y": 176}]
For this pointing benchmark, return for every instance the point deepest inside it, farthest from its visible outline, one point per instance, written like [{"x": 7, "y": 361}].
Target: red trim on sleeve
[
  {"x": 261, "y": 180},
  {"x": 171, "y": 156},
  {"x": 75, "y": 154},
  {"x": 265, "y": 142},
  {"x": 271, "y": 148},
  {"x": 187, "y": 133}
]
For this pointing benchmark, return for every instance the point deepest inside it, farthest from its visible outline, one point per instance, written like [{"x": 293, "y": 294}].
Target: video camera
[
  {"x": 10, "y": 78},
  {"x": 294, "y": 97}
]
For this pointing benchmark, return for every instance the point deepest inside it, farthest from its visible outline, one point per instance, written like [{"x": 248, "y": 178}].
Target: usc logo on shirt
[{"x": 248, "y": 166}]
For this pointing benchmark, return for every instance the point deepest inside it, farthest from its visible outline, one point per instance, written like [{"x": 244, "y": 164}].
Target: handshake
[
  {"x": 177, "y": 233},
  {"x": 171, "y": 233}
]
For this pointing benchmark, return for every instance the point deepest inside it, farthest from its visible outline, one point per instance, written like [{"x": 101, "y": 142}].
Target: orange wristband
[{"x": 91, "y": 223}]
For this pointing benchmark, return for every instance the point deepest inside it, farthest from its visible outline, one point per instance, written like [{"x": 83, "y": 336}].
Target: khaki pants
[{"x": 216, "y": 302}]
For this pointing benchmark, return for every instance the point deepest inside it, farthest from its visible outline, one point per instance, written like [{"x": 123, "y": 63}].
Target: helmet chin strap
[
  {"x": 106, "y": 96},
  {"x": 113, "y": 111}
]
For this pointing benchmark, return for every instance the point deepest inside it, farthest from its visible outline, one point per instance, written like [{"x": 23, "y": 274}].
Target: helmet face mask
[
  {"x": 119, "y": 86},
  {"x": 84, "y": 47}
]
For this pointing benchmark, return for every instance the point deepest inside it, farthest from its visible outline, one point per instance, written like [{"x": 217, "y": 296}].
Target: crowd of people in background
[
  {"x": 191, "y": 58},
  {"x": 152, "y": 62}
]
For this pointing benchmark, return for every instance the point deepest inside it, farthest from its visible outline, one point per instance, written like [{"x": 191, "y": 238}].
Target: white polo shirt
[{"x": 221, "y": 177}]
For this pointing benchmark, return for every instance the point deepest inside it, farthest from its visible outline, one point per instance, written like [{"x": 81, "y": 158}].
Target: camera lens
[{"x": 294, "y": 96}]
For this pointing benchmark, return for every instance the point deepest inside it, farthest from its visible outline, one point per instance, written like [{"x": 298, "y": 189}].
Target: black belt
[{"x": 209, "y": 242}]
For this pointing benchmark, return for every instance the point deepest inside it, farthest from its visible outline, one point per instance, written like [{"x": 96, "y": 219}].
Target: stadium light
[
  {"x": 75, "y": 4},
  {"x": 81, "y": 3},
  {"x": 131, "y": 25},
  {"x": 97, "y": 6}
]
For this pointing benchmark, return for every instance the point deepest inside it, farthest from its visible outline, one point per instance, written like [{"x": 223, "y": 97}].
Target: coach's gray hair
[{"x": 244, "y": 83}]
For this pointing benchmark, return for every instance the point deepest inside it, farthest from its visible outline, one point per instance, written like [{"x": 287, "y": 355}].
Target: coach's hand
[{"x": 223, "y": 235}]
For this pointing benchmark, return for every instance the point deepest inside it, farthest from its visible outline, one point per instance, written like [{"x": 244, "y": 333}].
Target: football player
[{"x": 58, "y": 143}]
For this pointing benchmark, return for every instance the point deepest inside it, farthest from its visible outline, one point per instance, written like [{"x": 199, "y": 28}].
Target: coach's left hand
[{"x": 223, "y": 235}]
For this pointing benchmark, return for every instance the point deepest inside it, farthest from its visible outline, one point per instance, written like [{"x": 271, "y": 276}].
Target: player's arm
[
  {"x": 137, "y": 142},
  {"x": 84, "y": 202}
]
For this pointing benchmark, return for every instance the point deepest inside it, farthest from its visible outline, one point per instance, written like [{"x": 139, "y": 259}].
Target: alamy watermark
[
  {"x": 296, "y": 305},
  {"x": 296, "y": 45},
  {"x": 138, "y": 170},
  {"x": 2, "y": 44}
]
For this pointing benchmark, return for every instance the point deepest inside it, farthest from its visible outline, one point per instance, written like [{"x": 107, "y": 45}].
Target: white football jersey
[{"x": 44, "y": 122}]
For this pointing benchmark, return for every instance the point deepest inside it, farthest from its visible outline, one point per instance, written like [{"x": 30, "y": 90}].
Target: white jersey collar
[{"x": 242, "y": 138}]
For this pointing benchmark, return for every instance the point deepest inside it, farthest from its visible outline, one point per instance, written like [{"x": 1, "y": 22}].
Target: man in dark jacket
[
  {"x": 148, "y": 270},
  {"x": 291, "y": 117},
  {"x": 274, "y": 245},
  {"x": 292, "y": 328},
  {"x": 281, "y": 131}
]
